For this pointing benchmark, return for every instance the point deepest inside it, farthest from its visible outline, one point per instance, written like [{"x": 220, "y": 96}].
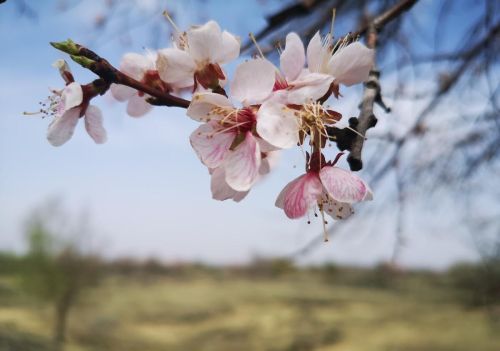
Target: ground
[{"x": 217, "y": 311}]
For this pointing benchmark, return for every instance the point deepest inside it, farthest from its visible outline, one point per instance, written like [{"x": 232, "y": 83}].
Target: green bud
[
  {"x": 82, "y": 61},
  {"x": 68, "y": 46}
]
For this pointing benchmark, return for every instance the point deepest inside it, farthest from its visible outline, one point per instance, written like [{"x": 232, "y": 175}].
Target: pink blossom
[
  {"x": 143, "y": 69},
  {"x": 332, "y": 190},
  {"x": 227, "y": 139},
  {"x": 197, "y": 57},
  {"x": 67, "y": 106}
]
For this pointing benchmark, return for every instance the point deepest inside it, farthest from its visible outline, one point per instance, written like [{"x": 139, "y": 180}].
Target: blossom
[
  {"x": 67, "y": 106},
  {"x": 197, "y": 57},
  {"x": 227, "y": 138},
  {"x": 143, "y": 69},
  {"x": 332, "y": 190},
  {"x": 349, "y": 64}
]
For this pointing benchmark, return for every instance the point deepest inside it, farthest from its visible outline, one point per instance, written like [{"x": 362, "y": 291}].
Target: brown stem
[{"x": 110, "y": 74}]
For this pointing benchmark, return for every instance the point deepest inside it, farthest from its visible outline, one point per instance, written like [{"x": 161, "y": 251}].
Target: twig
[{"x": 100, "y": 66}]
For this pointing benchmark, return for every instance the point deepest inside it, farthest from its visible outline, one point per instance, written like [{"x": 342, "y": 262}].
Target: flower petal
[
  {"x": 343, "y": 185},
  {"x": 72, "y": 95},
  {"x": 309, "y": 87},
  {"x": 269, "y": 161},
  {"x": 230, "y": 48},
  {"x": 242, "y": 164},
  {"x": 205, "y": 42},
  {"x": 338, "y": 210},
  {"x": 61, "y": 129},
  {"x": 253, "y": 81},
  {"x": 93, "y": 124},
  {"x": 135, "y": 65},
  {"x": 352, "y": 64},
  {"x": 137, "y": 106},
  {"x": 293, "y": 58},
  {"x": 314, "y": 53},
  {"x": 299, "y": 195},
  {"x": 202, "y": 104},
  {"x": 211, "y": 147},
  {"x": 122, "y": 92},
  {"x": 221, "y": 190},
  {"x": 278, "y": 125},
  {"x": 176, "y": 67}
]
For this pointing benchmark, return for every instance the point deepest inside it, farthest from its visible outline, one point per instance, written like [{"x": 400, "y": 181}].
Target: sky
[{"x": 144, "y": 191}]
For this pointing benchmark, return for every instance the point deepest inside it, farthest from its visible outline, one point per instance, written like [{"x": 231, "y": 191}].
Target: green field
[{"x": 222, "y": 310}]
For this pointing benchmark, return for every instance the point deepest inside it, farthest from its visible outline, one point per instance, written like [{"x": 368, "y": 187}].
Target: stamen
[
  {"x": 167, "y": 16},
  {"x": 252, "y": 37},
  {"x": 325, "y": 234},
  {"x": 334, "y": 11},
  {"x": 356, "y": 132}
]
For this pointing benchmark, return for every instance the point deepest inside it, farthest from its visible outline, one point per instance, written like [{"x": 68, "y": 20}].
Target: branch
[{"x": 101, "y": 67}]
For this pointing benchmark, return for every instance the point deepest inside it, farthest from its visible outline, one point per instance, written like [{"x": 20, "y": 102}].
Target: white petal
[
  {"x": 309, "y": 87},
  {"x": 137, "y": 106},
  {"x": 242, "y": 164},
  {"x": 299, "y": 195},
  {"x": 62, "y": 127},
  {"x": 314, "y": 53},
  {"x": 176, "y": 67},
  {"x": 253, "y": 81},
  {"x": 278, "y": 125},
  {"x": 338, "y": 210},
  {"x": 269, "y": 161},
  {"x": 352, "y": 64},
  {"x": 221, "y": 190},
  {"x": 72, "y": 95},
  {"x": 93, "y": 124},
  {"x": 342, "y": 185},
  {"x": 293, "y": 58},
  {"x": 205, "y": 42},
  {"x": 122, "y": 92},
  {"x": 202, "y": 105},
  {"x": 230, "y": 48},
  {"x": 135, "y": 65},
  {"x": 211, "y": 148}
]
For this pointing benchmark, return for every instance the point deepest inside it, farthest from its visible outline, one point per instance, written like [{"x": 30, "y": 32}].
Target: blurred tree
[{"x": 57, "y": 270}]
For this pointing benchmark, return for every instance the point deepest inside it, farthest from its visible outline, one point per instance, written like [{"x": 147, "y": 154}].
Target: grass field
[{"x": 297, "y": 311}]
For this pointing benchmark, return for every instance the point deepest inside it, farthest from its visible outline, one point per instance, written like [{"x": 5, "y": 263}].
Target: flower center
[{"x": 235, "y": 120}]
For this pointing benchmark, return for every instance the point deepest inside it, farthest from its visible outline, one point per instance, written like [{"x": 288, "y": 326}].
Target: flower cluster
[{"x": 244, "y": 121}]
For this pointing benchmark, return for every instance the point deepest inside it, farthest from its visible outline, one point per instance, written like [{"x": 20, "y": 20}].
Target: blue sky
[{"x": 145, "y": 191}]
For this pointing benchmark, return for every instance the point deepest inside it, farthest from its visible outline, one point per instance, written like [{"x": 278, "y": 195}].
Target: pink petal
[
  {"x": 211, "y": 148},
  {"x": 299, "y": 195},
  {"x": 137, "y": 106},
  {"x": 93, "y": 124},
  {"x": 221, "y": 190},
  {"x": 135, "y": 65},
  {"x": 242, "y": 164},
  {"x": 309, "y": 87},
  {"x": 72, "y": 95},
  {"x": 122, "y": 92},
  {"x": 230, "y": 48},
  {"x": 61, "y": 129},
  {"x": 253, "y": 81},
  {"x": 176, "y": 67},
  {"x": 343, "y": 185},
  {"x": 314, "y": 53},
  {"x": 293, "y": 58},
  {"x": 205, "y": 42},
  {"x": 278, "y": 125},
  {"x": 202, "y": 104},
  {"x": 352, "y": 64}
]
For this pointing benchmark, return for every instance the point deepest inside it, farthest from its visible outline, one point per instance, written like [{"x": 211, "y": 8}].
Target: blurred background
[{"x": 120, "y": 246}]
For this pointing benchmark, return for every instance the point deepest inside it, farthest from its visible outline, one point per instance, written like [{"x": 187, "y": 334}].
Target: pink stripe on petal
[
  {"x": 210, "y": 147},
  {"x": 299, "y": 195},
  {"x": 343, "y": 185}
]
